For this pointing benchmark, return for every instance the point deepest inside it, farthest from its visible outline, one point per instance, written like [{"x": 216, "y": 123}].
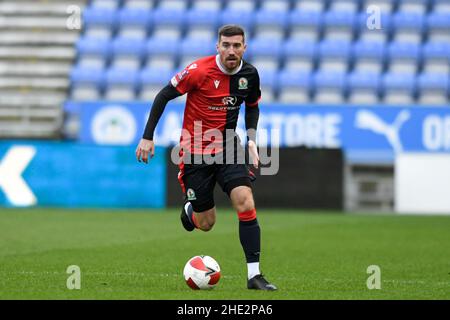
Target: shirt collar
[{"x": 222, "y": 68}]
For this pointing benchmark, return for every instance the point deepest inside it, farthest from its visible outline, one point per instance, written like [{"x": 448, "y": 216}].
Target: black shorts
[{"x": 198, "y": 181}]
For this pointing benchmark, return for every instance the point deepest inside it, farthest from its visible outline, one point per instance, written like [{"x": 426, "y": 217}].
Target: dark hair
[{"x": 230, "y": 30}]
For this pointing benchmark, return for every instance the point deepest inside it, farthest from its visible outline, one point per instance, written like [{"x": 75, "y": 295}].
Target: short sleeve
[
  {"x": 255, "y": 93},
  {"x": 186, "y": 80}
]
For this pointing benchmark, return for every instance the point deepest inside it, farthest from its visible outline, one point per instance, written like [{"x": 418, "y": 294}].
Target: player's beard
[{"x": 232, "y": 63}]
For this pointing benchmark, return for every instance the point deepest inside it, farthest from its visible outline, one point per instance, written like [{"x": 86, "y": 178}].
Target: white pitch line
[{"x": 134, "y": 274}]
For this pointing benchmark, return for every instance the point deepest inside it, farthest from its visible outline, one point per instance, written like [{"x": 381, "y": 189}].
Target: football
[{"x": 201, "y": 272}]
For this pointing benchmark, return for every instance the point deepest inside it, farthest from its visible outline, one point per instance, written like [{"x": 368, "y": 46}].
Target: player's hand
[
  {"x": 253, "y": 151},
  {"x": 144, "y": 148}
]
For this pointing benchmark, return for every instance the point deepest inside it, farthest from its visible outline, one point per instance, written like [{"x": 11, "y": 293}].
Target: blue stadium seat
[
  {"x": 197, "y": 47},
  {"x": 408, "y": 27},
  {"x": 86, "y": 83},
  {"x": 329, "y": 87},
  {"x": 436, "y": 57},
  {"x": 243, "y": 18},
  {"x": 268, "y": 83},
  {"x": 270, "y": 25},
  {"x": 345, "y": 5},
  {"x": 294, "y": 87},
  {"x": 369, "y": 56},
  {"x": 152, "y": 80},
  {"x": 215, "y": 5},
  {"x": 265, "y": 55},
  {"x": 364, "y": 87},
  {"x": 134, "y": 22},
  {"x": 203, "y": 17},
  {"x": 299, "y": 55},
  {"x": 398, "y": 88},
  {"x": 179, "y": 5},
  {"x": 121, "y": 76},
  {"x": 99, "y": 22},
  {"x": 162, "y": 46},
  {"x": 385, "y": 6},
  {"x": 370, "y": 28},
  {"x": 269, "y": 78},
  {"x": 128, "y": 53},
  {"x": 275, "y": 5},
  {"x": 433, "y": 89},
  {"x": 339, "y": 25},
  {"x": 168, "y": 23},
  {"x": 329, "y": 80},
  {"x": 305, "y": 24},
  {"x": 159, "y": 76},
  {"x": 121, "y": 84},
  {"x": 404, "y": 57},
  {"x": 310, "y": 5},
  {"x": 202, "y": 23},
  {"x": 87, "y": 45},
  {"x": 162, "y": 52},
  {"x": 438, "y": 25},
  {"x": 93, "y": 76},
  {"x": 93, "y": 52},
  {"x": 168, "y": 16},
  {"x": 307, "y": 42},
  {"x": 413, "y": 6},
  {"x": 442, "y": 6},
  {"x": 241, "y": 5},
  {"x": 105, "y": 4},
  {"x": 334, "y": 55},
  {"x": 192, "y": 49},
  {"x": 139, "y": 4}
]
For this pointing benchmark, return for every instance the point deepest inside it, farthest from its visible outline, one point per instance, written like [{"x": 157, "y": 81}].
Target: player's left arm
[{"x": 251, "y": 119}]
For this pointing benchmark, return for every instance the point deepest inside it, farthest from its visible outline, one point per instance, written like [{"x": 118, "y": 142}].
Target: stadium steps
[
  {"x": 20, "y": 22},
  {"x": 23, "y": 113},
  {"x": 36, "y": 55},
  {"x": 36, "y": 127},
  {"x": 47, "y": 7},
  {"x": 35, "y": 52},
  {"x": 37, "y": 37},
  {"x": 42, "y": 98},
  {"x": 36, "y": 69},
  {"x": 34, "y": 83}
]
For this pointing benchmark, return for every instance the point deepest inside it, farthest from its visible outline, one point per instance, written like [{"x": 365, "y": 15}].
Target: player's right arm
[
  {"x": 146, "y": 146},
  {"x": 181, "y": 83}
]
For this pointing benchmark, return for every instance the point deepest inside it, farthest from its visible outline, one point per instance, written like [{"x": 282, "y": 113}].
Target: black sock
[{"x": 250, "y": 236}]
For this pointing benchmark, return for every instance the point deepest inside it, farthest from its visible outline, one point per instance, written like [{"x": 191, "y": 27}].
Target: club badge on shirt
[{"x": 243, "y": 83}]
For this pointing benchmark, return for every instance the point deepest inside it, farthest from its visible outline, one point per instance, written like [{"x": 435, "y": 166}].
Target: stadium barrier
[
  {"x": 422, "y": 184},
  {"x": 65, "y": 174},
  {"x": 369, "y": 137},
  {"x": 362, "y": 132},
  {"x": 100, "y": 170},
  {"x": 306, "y": 178}
]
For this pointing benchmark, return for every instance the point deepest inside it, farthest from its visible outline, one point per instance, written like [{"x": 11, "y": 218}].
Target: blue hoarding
[
  {"x": 76, "y": 175},
  {"x": 381, "y": 129}
]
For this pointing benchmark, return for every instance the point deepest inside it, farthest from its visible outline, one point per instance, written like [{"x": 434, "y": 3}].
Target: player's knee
[
  {"x": 245, "y": 202},
  {"x": 242, "y": 198},
  {"x": 206, "y": 226},
  {"x": 206, "y": 221}
]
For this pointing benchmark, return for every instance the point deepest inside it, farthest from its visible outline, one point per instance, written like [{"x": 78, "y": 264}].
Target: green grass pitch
[{"x": 140, "y": 254}]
